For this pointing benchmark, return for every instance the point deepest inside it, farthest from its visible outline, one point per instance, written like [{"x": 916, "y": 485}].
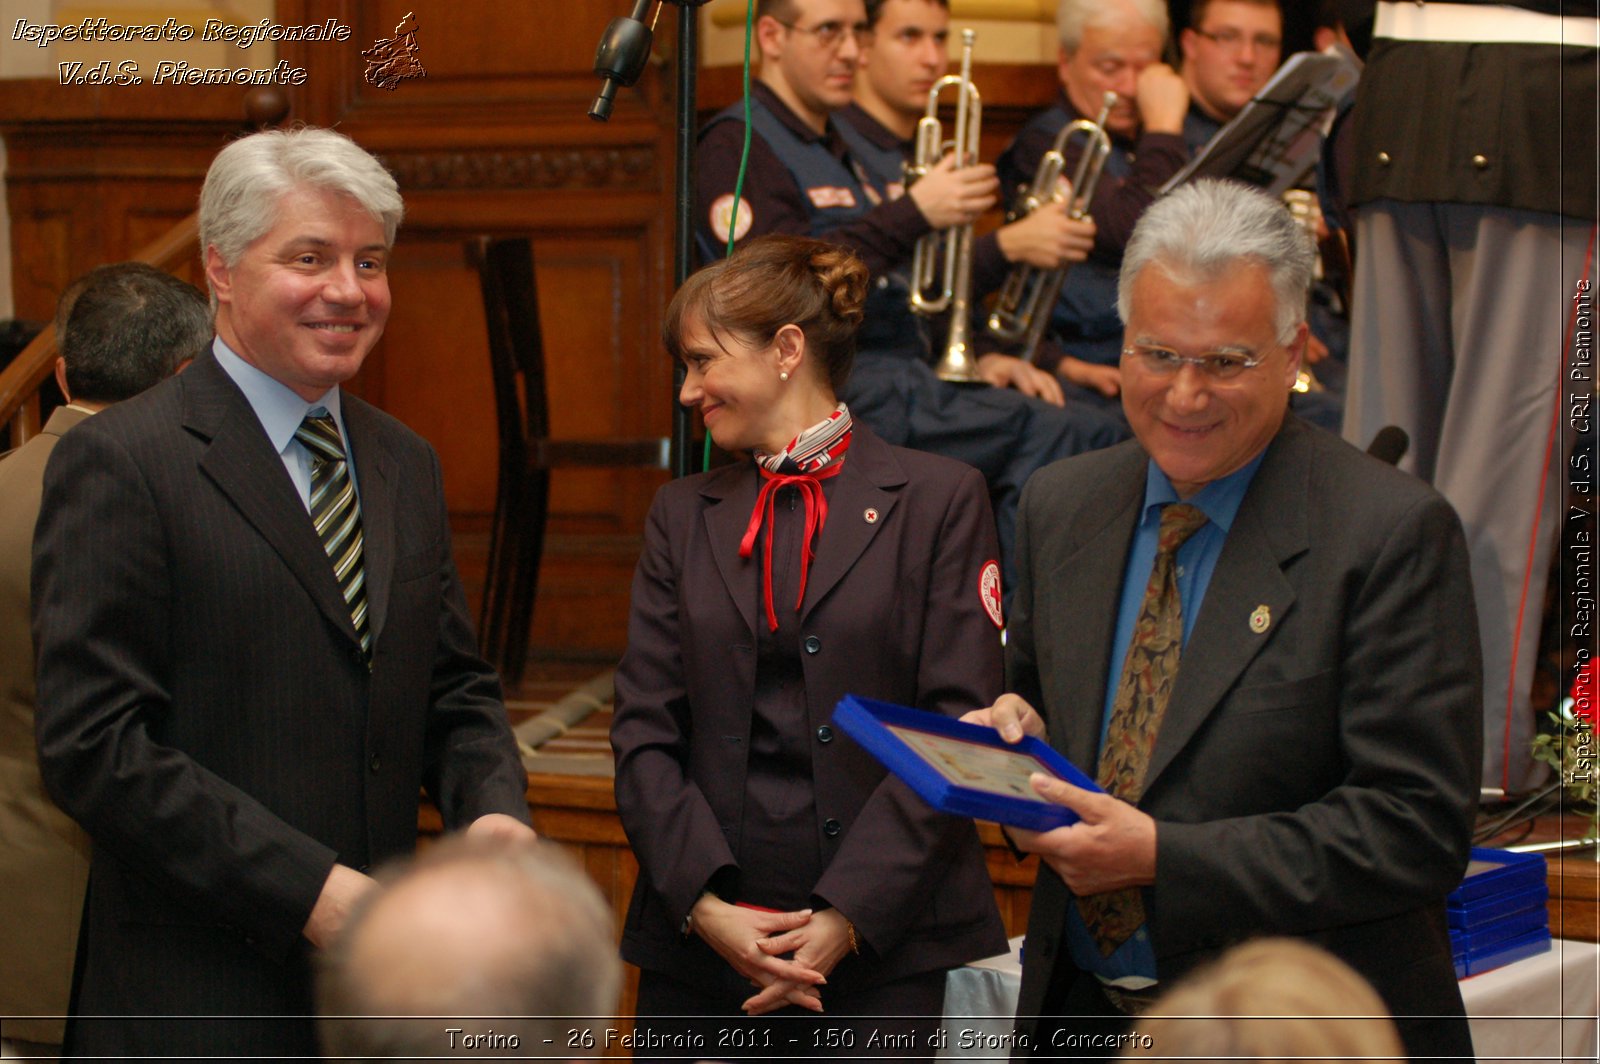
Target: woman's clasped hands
[{"x": 786, "y": 955}]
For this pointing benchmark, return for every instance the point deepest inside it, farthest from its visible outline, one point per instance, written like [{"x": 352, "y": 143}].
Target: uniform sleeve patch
[
  {"x": 989, "y": 592},
  {"x": 722, "y": 214}
]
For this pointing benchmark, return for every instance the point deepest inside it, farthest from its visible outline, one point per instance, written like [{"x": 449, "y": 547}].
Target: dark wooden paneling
[{"x": 92, "y": 174}]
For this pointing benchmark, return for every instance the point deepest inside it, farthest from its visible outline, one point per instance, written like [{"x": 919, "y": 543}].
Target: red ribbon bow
[{"x": 810, "y": 490}]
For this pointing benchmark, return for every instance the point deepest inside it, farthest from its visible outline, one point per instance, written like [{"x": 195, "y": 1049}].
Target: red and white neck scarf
[{"x": 813, "y": 456}]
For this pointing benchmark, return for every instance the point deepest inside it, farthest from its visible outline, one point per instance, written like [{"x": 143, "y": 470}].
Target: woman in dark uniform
[{"x": 783, "y": 873}]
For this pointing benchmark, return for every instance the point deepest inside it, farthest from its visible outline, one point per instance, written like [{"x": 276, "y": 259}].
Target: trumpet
[
  {"x": 1304, "y": 209},
  {"x": 1022, "y": 309},
  {"x": 935, "y": 290}
]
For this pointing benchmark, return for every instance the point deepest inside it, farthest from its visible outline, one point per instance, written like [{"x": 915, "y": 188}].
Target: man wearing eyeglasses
[
  {"x": 804, "y": 178},
  {"x": 1261, "y": 644},
  {"x": 1106, "y": 46},
  {"x": 1230, "y": 50}
]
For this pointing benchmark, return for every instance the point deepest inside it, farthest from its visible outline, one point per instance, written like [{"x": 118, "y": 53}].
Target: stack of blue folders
[{"x": 1498, "y": 915}]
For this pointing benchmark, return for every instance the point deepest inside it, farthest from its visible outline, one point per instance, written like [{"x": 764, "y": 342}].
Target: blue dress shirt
[{"x": 1133, "y": 964}]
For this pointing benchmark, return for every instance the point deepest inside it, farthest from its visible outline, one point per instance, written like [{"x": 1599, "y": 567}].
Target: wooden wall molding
[{"x": 598, "y": 167}]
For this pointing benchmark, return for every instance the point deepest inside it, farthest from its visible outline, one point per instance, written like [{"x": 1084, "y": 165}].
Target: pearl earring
[{"x": 783, "y": 376}]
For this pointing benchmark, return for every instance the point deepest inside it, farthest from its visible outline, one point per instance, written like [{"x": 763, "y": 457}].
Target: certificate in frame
[{"x": 959, "y": 768}]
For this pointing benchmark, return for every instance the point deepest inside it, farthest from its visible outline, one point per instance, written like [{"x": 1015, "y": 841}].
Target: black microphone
[
  {"x": 1390, "y": 444},
  {"x": 623, "y": 52},
  {"x": 620, "y": 59}
]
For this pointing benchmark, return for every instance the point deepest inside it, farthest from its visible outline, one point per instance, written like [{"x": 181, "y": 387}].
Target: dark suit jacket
[
  {"x": 1317, "y": 779},
  {"x": 44, "y": 856},
  {"x": 894, "y": 611},
  {"x": 206, "y": 714}
]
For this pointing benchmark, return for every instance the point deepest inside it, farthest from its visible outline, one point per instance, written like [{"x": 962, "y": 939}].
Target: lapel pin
[
  {"x": 1261, "y": 619},
  {"x": 871, "y": 515}
]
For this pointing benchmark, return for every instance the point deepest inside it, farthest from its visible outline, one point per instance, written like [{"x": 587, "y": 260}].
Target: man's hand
[
  {"x": 1008, "y": 371},
  {"x": 1316, "y": 350},
  {"x": 736, "y": 933},
  {"x": 1011, "y": 716},
  {"x": 949, "y": 196},
  {"x": 1111, "y": 847},
  {"x": 819, "y": 945},
  {"x": 340, "y": 892},
  {"x": 1107, "y": 380},
  {"x": 1162, "y": 99},
  {"x": 1047, "y": 238},
  {"x": 501, "y": 827}
]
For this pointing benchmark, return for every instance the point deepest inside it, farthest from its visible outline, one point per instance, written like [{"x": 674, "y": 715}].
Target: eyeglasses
[
  {"x": 1234, "y": 41},
  {"x": 1216, "y": 366},
  {"x": 831, "y": 35}
]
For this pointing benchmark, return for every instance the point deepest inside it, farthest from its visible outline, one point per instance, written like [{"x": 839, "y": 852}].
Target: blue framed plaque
[{"x": 960, "y": 768}]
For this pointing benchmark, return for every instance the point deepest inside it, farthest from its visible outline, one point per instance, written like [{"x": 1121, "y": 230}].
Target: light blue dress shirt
[
  {"x": 280, "y": 412},
  {"x": 1133, "y": 965}
]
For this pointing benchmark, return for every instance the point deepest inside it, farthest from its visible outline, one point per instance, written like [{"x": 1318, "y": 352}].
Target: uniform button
[
  {"x": 883, "y": 281},
  {"x": 1481, "y": 162},
  {"x": 831, "y": 827},
  {"x": 824, "y": 734},
  {"x": 374, "y": 763},
  {"x": 813, "y": 644},
  {"x": 357, "y": 656},
  {"x": 1383, "y": 158}
]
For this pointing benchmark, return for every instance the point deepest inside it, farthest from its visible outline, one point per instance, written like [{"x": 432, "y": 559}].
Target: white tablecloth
[{"x": 1542, "y": 1008}]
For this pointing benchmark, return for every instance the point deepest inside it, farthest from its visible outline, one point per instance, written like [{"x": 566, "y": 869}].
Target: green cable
[{"x": 744, "y": 164}]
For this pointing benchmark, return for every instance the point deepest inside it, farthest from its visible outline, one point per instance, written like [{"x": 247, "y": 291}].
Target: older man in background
[{"x": 1110, "y": 46}]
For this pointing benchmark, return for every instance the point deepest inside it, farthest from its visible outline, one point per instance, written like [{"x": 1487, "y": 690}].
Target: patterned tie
[
  {"x": 1142, "y": 694},
  {"x": 336, "y": 515}
]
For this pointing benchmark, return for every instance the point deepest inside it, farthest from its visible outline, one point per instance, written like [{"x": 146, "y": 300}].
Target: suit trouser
[{"x": 1459, "y": 317}]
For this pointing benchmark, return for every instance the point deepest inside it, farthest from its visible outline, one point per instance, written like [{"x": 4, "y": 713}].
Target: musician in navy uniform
[
  {"x": 774, "y": 852},
  {"x": 905, "y": 54},
  {"x": 1474, "y": 183},
  {"x": 1230, "y": 50},
  {"x": 804, "y": 179},
  {"x": 1106, "y": 46}
]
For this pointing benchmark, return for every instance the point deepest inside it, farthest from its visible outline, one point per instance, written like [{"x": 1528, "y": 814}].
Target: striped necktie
[
  {"x": 336, "y": 515},
  {"x": 1145, "y": 688}
]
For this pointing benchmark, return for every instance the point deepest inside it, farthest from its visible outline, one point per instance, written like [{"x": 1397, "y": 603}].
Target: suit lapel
[
  {"x": 870, "y": 470},
  {"x": 1268, "y": 531},
  {"x": 731, "y": 496},
  {"x": 377, "y": 483},
  {"x": 240, "y": 460},
  {"x": 1088, "y": 578}
]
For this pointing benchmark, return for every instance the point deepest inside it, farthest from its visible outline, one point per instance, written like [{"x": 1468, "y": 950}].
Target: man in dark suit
[
  {"x": 253, "y": 645},
  {"x": 131, "y": 325},
  {"x": 1297, "y": 753}
]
